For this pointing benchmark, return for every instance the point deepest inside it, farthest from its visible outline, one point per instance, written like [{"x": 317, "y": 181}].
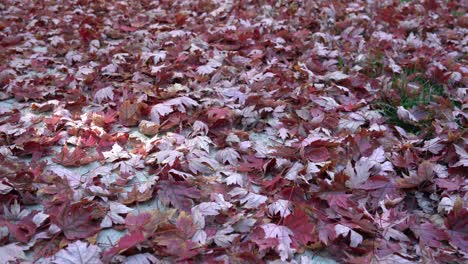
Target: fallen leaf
[
  {"x": 178, "y": 194},
  {"x": 355, "y": 237},
  {"x": 78, "y": 253},
  {"x": 283, "y": 235}
]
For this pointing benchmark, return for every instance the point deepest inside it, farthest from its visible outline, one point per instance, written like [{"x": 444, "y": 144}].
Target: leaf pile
[{"x": 233, "y": 131}]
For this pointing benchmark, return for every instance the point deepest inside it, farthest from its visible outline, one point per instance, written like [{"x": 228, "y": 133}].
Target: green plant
[
  {"x": 408, "y": 89},
  {"x": 375, "y": 65}
]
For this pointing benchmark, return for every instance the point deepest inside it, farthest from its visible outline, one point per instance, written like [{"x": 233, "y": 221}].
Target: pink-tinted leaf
[
  {"x": 283, "y": 235},
  {"x": 79, "y": 253},
  {"x": 128, "y": 241},
  {"x": 11, "y": 253},
  {"x": 457, "y": 226},
  {"x": 103, "y": 94},
  {"x": 425, "y": 172},
  {"x": 429, "y": 234},
  {"x": 178, "y": 194},
  {"x": 229, "y": 155},
  {"x": 355, "y": 237},
  {"x": 76, "y": 158}
]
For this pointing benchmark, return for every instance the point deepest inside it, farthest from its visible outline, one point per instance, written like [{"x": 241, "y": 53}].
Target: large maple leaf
[
  {"x": 76, "y": 220},
  {"x": 179, "y": 194}
]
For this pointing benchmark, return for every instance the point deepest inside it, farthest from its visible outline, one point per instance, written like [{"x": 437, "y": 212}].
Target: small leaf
[
  {"x": 74, "y": 159},
  {"x": 406, "y": 115},
  {"x": 228, "y": 154},
  {"x": 280, "y": 207},
  {"x": 166, "y": 156},
  {"x": 253, "y": 200},
  {"x": 113, "y": 215},
  {"x": 128, "y": 113},
  {"x": 355, "y": 237},
  {"x": 224, "y": 237},
  {"x": 115, "y": 153},
  {"x": 336, "y": 75},
  {"x": 106, "y": 93}
]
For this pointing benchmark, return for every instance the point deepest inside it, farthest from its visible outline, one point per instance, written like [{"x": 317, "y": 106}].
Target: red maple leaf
[
  {"x": 76, "y": 158},
  {"x": 299, "y": 223},
  {"x": 251, "y": 163},
  {"x": 76, "y": 220},
  {"x": 126, "y": 242},
  {"x": 137, "y": 222},
  {"x": 316, "y": 154}
]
